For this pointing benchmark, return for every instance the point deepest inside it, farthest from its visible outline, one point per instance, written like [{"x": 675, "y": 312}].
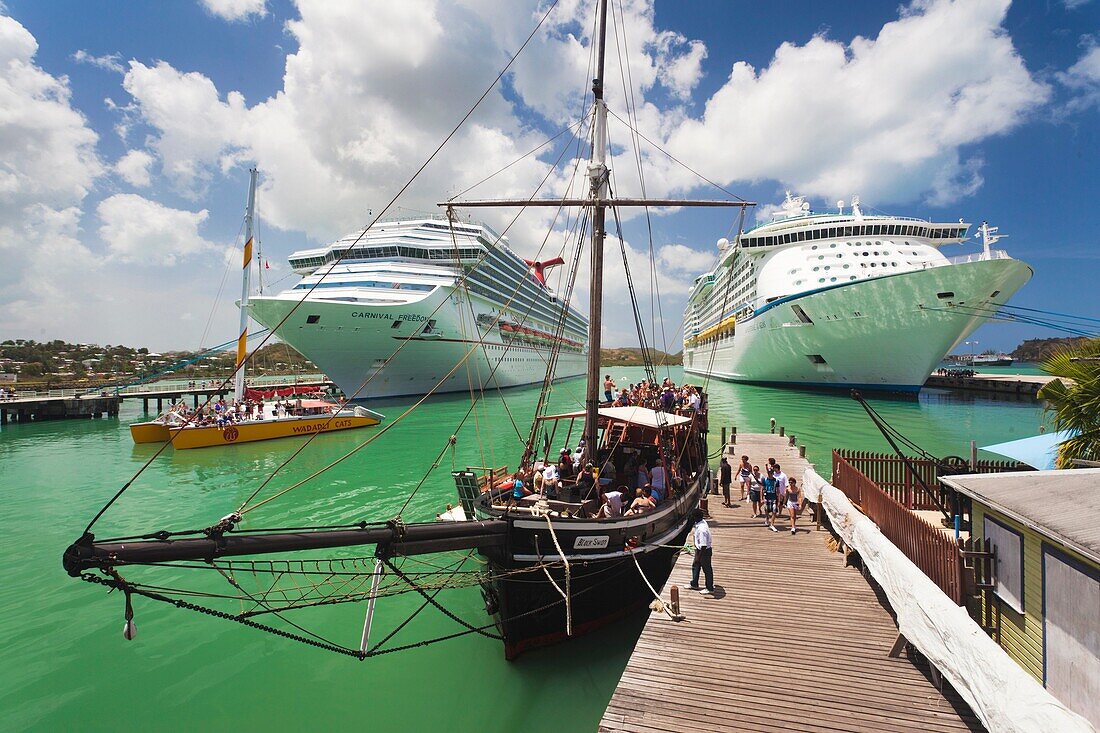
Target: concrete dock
[
  {"x": 1005, "y": 385},
  {"x": 792, "y": 640}
]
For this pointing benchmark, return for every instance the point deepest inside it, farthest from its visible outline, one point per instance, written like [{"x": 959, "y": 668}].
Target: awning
[
  {"x": 633, "y": 415},
  {"x": 1039, "y": 451}
]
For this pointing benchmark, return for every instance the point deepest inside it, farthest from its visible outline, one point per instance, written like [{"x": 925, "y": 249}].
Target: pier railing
[
  {"x": 890, "y": 474},
  {"x": 930, "y": 549}
]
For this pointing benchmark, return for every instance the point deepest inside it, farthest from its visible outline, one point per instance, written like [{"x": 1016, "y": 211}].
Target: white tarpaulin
[{"x": 1002, "y": 695}]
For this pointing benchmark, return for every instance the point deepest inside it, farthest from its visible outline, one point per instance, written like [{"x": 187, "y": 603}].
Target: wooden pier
[
  {"x": 792, "y": 640},
  {"x": 1003, "y": 385}
]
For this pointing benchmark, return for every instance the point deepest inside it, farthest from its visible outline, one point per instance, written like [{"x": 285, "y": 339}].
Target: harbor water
[{"x": 67, "y": 667}]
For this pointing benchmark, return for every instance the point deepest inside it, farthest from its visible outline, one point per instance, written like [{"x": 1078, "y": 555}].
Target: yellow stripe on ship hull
[
  {"x": 248, "y": 432},
  {"x": 149, "y": 432}
]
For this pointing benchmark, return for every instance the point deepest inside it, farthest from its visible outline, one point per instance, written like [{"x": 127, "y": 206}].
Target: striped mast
[{"x": 246, "y": 270}]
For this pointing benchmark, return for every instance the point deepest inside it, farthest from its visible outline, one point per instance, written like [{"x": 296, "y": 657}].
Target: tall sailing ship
[
  {"x": 554, "y": 564},
  {"x": 842, "y": 300},
  {"x": 436, "y": 289}
]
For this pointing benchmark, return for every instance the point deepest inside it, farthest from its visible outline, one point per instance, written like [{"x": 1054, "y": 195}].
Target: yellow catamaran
[{"x": 227, "y": 424}]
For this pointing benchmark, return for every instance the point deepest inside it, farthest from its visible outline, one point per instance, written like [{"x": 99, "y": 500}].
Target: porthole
[
  {"x": 821, "y": 279},
  {"x": 846, "y": 266},
  {"x": 832, "y": 279},
  {"x": 833, "y": 245}
]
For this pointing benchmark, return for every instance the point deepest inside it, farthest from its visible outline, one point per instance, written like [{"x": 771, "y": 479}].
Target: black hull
[{"x": 529, "y": 610}]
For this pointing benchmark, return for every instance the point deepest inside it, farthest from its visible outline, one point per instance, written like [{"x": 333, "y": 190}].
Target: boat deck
[{"x": 793, "y": 640}]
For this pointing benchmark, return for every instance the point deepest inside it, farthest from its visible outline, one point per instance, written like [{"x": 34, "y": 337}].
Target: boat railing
[{"x": 993, "y": 254}]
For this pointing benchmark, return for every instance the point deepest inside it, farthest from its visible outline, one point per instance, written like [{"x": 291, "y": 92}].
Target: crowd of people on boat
[
  {"x": 223, "y": 413},
  {"x": 771, "y": 492},
  {"x": 665, "y": 396}
]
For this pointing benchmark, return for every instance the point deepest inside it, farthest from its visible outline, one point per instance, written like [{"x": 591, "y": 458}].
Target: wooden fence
[
  {"x": 931, "y": 549},
  {"x": 891, "y": 475}
]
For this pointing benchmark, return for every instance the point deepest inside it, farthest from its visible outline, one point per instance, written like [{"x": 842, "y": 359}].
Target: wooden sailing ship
[{"x": 555, "y": 568}]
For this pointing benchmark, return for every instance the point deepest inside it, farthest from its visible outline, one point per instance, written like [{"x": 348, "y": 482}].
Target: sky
[{"x": 127, "y": 131}]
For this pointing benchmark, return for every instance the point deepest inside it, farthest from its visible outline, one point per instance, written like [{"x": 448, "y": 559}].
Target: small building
[{"x": 1045, "y": 528}]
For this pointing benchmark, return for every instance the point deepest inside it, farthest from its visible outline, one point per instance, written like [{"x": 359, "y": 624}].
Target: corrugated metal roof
[{"x": 1062, "y": 505}]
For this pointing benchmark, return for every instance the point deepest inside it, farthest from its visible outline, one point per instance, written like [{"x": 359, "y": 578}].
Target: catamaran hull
[
  {"x": 887, "y": 334},
  {"x": 249, "y": 432},
  {"x": 605, "y": 584},
  {"x": 383, "y": 350}
]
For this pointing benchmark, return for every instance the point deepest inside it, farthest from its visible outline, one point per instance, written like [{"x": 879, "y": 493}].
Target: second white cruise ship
[
  {"x": 842, "y": 300},
  {"x": 391, "y": 311}
]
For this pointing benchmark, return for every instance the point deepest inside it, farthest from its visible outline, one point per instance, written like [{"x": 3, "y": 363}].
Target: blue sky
[{"x": 133, "y": 125}]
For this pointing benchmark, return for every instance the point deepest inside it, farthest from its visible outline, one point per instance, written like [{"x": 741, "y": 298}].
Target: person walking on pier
[
  {"x": 794, "y": 503},
  {"x": 756, "y": 489},
  {"x": 725, "y": 476},
  {"x": 704, "y": 550},
  {"x": 771, "y": 499},
  {"x": 744, "y": 475}
]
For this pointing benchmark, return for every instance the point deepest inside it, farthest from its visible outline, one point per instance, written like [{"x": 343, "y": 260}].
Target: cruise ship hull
[
  {"x": 361, "y": 349},
  {"x": 886, "y": 333}
]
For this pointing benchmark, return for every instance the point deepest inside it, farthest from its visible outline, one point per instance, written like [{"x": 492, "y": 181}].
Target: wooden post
[
  {"x": 723, "y": 438},
  {"x": 801, "y": 451},
  {"x": 898, "y": 647},
  {"x": 733, "y": 434},
  {"x": 782, "y": 431},
  {"x": 145, "y": 404},
  {"x": 674, "y": 599},
  {"x": 160, "y": 405},
  {"x": 817, "y": 512},
  {"x": 196, "y": 396}
]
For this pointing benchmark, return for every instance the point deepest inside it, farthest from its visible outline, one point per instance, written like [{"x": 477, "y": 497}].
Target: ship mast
[
  {"x": 249, "y": 216},
  {"x": 597, "y": 176}
]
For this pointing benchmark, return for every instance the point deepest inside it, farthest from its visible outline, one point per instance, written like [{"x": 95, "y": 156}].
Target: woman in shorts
[
  {"x": 794, "y": 502},
  {"x": 756, "y": 486},
  {"x": 744, "y": 473}
]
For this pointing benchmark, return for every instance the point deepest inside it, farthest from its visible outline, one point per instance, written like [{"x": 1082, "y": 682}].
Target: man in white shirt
[
  {"x": 780, "y": 483},
  {"x": 704, "y": 550},
  {"x": 694, "y": 401},
  {"x": 612, "y": 505}
]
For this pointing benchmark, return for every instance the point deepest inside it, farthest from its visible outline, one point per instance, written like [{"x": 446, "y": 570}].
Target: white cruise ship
[
  {"x": 405, "y": 303},
  {"x": 842, "y": 300}
]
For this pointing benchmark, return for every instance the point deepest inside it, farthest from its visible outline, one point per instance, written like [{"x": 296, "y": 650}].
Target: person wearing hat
[
  {"x": 550, "y": 480},
  {"x": 704, "y": 550}
]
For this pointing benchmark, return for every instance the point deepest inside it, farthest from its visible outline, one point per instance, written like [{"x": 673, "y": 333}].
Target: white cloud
[
  {"x": 885, "y": 117},
  {"x": 49, "y": 165},
  {"x": 234, "y": 10},
  {"x": 134, "y": 168},
  {"x": 137, "y": 230},
  {"x": 107, "y": 62},
  {"x": 1083, "y": 79},
  {"x": 194, "y": 125}
]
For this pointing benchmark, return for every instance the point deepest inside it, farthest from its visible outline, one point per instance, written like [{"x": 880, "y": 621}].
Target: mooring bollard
[
  {"x": 723, "y": 438},
  {"x": 782, "y": 431},
  {"x": 801, "y": 451},
  {"x": 733, "y": 434},
  {"x": 674, "y": 599}
]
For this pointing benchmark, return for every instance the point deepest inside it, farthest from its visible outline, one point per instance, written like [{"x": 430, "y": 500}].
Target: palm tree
[{"x": 1074, "y": 399}]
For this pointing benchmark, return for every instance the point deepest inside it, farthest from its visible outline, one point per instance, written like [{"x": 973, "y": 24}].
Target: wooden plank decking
[{"x": 791, "y": 641}]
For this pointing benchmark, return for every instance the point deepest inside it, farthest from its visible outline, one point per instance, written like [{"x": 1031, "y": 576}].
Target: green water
[{"x": 67, "y": 667}]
